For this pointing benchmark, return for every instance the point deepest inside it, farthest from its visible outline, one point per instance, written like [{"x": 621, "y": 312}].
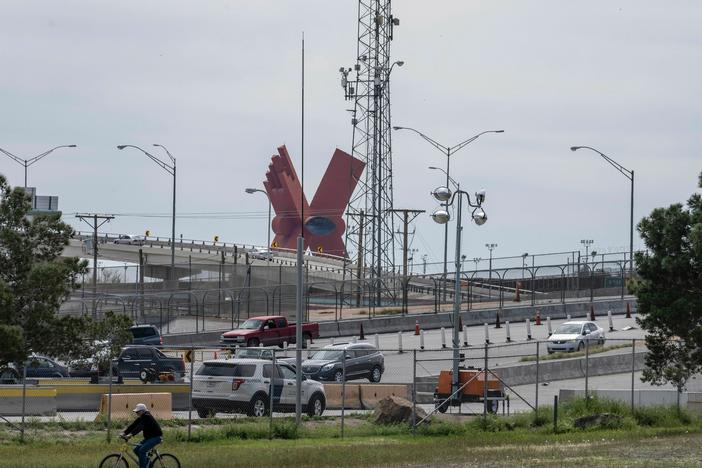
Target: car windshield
[
  {"x": 568, "y": 329},
  {"x": 251, "y": 325},
  {"x": 327, "y": 355},
  {"x": 142, "y": 332}
]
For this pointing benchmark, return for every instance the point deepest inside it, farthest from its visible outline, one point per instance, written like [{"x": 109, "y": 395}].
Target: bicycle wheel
[
  {"x": 165, "y": 460},
  {"x": 114, "y": 460}
]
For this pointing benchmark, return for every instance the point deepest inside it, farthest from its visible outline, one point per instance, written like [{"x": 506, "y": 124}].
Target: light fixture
[
  {"x": 441, "y": 216},
  {"x": 479, "y": 217},
  {"x": 442, "y": 194},
  {"x": 480, "y": 196}
]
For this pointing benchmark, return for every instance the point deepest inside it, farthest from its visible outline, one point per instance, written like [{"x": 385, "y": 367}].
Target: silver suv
[{"x": 243, "y": 385}]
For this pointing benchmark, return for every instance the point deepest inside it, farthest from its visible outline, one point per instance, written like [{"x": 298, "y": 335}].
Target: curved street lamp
[
  {"x": 629, "y": 174},
  {"x": 442, "y": 216},
  {"x": 268, "y": 229},
  {"x": 171, "y": 169},
  {"x": 447, "y": 151},
  {"x": 28, "y": 162}
]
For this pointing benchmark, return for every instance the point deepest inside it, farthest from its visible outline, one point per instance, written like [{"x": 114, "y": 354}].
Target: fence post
[
  {"x": 587, "y": 371},
  {"x": 633, "y": 370},
  {"x": 109, "y": 398},
  {"x": 485, "y": 385},
  {"x": 190, "y": 395},
  {"x": 343, "y": 392},
  {"x": 414, "y": 392},
  {"x": 555, "y": 413},
  {"x": 536, "y": 405},
  {"x": 271, "y": 391},
  {"x": 24, "y": 398}
]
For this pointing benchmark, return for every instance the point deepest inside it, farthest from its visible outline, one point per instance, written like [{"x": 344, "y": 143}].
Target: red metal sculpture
[{"x": 323, "y": 224}]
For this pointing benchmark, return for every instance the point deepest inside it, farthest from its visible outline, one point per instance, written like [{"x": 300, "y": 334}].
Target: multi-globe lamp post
[{"x": 441, "y": 215}]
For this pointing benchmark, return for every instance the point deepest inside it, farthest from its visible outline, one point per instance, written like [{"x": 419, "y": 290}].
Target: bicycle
[{"x": 156, "y": 459}]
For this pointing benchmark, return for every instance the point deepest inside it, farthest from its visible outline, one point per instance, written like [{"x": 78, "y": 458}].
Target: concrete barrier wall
[
  {"x": 39, "y": 401},
  {"x": 363, "y": 396},
  {"x": 390, "y": 324},
  {"x": 565, "y": 369},
  {"x": 87, "y": 397},
  {"x": 158, "y": 404},
  {"x": 474, "y": 317},
  {"x": 642, "y": 398}
]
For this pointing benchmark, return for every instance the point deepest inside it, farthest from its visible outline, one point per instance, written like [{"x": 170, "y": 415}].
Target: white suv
[{"x": 243, "y": 385}]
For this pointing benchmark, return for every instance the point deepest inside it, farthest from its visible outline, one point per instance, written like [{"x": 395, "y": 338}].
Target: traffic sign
[{"x": 188, "y": 356}]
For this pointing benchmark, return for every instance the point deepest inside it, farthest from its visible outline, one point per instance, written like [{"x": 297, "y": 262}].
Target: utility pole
[
  {"x": 405, "y": 223},
  {"x": 359, "y": 262},
  {"x": 424, "y": 264},
  {"x": 94, "y": 220}
]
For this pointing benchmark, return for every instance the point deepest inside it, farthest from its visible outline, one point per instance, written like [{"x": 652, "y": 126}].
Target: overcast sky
[{"x": 217, "y": 82}]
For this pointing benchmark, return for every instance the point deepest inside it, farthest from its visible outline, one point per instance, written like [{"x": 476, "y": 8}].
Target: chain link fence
[{"x": 197, "y": 387}]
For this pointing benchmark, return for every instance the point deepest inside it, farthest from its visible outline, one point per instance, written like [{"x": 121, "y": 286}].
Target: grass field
[{"x": 652, "y": 437}]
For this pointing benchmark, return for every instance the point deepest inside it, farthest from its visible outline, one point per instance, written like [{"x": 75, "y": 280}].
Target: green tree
[
  {"x": 669, "y": 291},
  {"x": 34, "y": 281}
]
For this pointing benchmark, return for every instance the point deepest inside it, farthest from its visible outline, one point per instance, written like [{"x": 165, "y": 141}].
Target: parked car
[
  {"x": 146, "y": 335},
  {"x": 147, "y": 362},
  {"x": 363, "y": 361},
  {"x": 129, "y": 239},
  {"x": 269, "y": 330},
  {"x": 573, "y": 336},
  {"x": 37, "y": 366},
  {"x": 243, "y": 385},
  {"x": 255, "y": 353}
]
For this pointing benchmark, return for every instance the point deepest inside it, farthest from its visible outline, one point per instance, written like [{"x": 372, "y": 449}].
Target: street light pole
[
  {"x": 441, "y": 216},
  {"x": 268, "y": 229},
  {"x": 448, "y": 151},
  {"x": 629, "y": 174},
  {"x": 28, "y": 162},
  {"x": 490, "y": 248},
  {"x": 587, "y": 243},
  {"x": 171, "y": 169}
]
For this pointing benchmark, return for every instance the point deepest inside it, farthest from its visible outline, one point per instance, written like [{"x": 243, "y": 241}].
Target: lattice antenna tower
[{"x": 370, "y": 206}]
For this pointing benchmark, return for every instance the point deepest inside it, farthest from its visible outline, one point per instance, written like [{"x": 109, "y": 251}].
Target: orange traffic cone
[
  {"x": 628, "y": 310},
  {"x": 362, "y": 336},
  {"x": 538, "y": 317},
  {"x": 416, "y": 328},
  {"x": 592, "y": 313}
]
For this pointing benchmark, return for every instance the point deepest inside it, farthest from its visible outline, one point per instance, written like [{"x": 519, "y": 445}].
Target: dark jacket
[{"x": 145, "y": 423}]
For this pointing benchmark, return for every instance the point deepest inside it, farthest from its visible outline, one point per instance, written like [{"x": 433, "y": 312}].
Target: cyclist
[{"x": 151, "y": 430}]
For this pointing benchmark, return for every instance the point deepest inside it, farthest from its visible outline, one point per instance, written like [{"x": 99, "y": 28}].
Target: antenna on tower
[{"x": 370, "y": 231}]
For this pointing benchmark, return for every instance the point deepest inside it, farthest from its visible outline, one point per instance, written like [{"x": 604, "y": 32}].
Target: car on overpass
[
  {"x": 574, "y": 336},
  {"x": 129, "y": 239}
]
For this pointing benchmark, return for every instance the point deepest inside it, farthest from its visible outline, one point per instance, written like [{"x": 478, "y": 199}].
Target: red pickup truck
[{"x": 269, "y": 330}]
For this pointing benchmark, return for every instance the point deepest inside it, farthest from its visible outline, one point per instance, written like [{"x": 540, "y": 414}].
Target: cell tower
[{"x": 370, "y": 220}]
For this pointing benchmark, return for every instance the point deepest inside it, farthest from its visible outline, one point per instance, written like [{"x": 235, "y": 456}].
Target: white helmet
[{"x": 139, "y": 408}]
